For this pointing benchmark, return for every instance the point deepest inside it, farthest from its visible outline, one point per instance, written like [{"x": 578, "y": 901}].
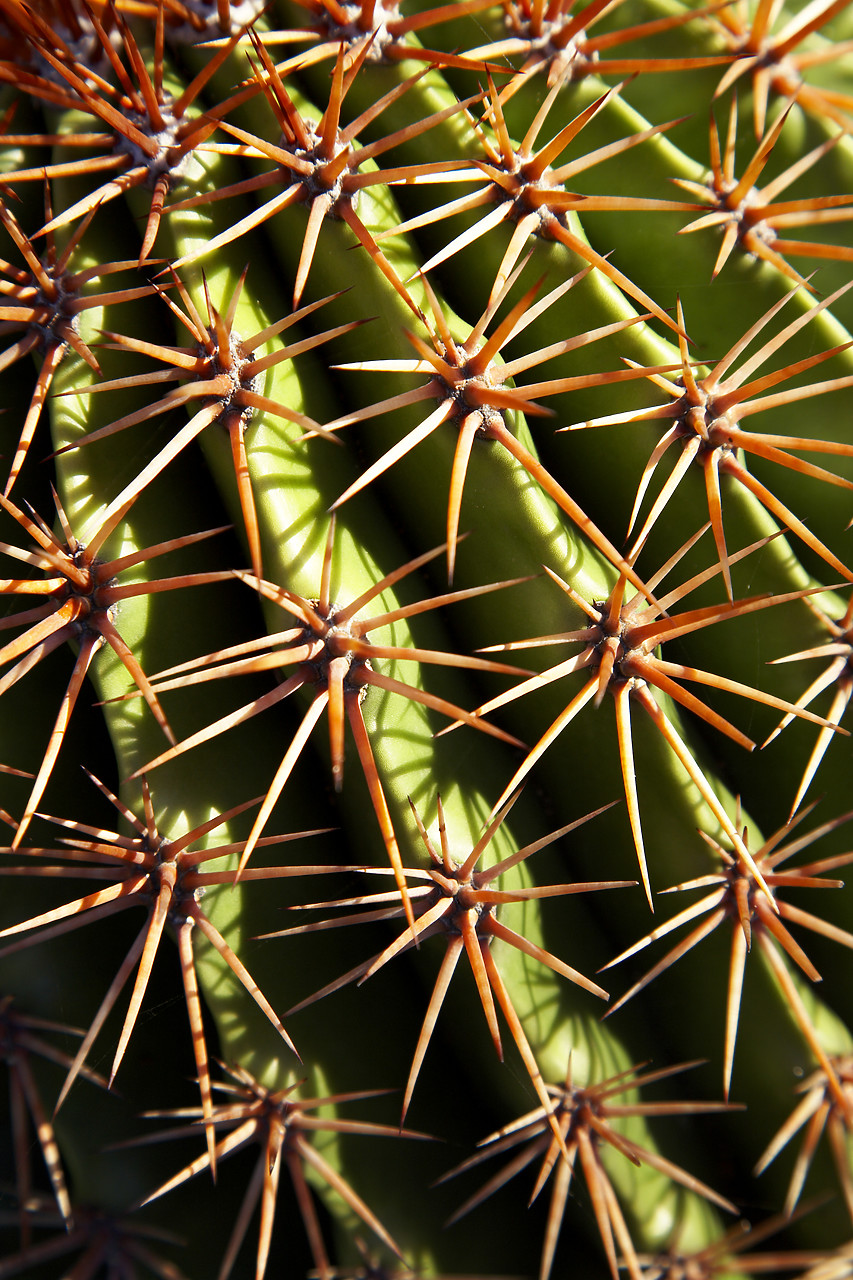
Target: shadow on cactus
[{"x": 494, "y": 161}]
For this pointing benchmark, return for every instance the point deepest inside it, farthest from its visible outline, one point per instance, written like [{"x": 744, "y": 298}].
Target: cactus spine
[{"x": 483, "y": 371}]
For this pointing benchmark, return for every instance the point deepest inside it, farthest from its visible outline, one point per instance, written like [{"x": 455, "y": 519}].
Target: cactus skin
[{"x": 540, "y": 176}]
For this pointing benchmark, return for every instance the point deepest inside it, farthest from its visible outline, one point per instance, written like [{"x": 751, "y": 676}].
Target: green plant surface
[{"x": 429, "y": 465}]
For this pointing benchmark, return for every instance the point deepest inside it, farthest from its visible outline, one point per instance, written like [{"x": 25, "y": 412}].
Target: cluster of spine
[{"x": 428, "y": 450}]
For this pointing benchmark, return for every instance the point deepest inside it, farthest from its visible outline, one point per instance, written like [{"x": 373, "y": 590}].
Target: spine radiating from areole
[{"x": 426, "y": 507}]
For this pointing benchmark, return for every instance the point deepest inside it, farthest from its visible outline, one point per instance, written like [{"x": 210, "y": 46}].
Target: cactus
[{"x": 357, "y": 353}]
